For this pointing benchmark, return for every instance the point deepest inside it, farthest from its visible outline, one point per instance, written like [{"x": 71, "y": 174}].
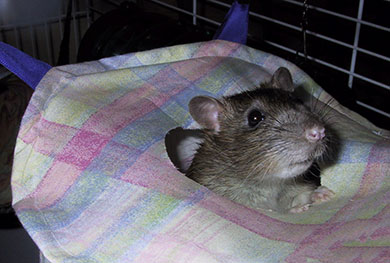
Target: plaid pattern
[{"x": 92, "y": 181}]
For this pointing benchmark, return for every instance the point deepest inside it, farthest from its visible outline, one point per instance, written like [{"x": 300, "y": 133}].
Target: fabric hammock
[{"x": 92, "y": 181}]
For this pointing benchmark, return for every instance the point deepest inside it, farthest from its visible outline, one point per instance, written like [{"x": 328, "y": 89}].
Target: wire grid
[
  {"x": 41, "y": 38},
  {"x": 350, "y": 71}
]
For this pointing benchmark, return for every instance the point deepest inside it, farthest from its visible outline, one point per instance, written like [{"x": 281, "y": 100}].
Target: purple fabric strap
[
  {"x": 28, "y": 69},
  {"x": 235, "y": 25}
]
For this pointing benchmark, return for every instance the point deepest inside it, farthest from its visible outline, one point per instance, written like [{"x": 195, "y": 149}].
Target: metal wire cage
[{"x": 343, "y": 45}]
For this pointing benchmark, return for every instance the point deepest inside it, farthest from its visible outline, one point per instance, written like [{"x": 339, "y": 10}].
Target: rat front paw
[
  {"x": 321, "y": 194},
  {"x": 299, "y": 209},
  {"x": 303, "y": 201}
]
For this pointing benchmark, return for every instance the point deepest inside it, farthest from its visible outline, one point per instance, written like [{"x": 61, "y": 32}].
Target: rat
[{"x": 257, "y": 146}]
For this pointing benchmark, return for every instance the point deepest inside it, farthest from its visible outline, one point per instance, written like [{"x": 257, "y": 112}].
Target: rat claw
[
  {"x": 321, "y": 194},
  {"x": 299, "y": 209}
]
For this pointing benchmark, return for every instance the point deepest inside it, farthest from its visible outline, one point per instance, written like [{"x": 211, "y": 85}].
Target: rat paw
[
  {"x": 321, "y": 194},
  {"x": 299, "y": 209}
]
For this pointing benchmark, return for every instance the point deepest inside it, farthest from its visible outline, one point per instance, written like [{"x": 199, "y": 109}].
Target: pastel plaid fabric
[{"x": 92, "y": 181}]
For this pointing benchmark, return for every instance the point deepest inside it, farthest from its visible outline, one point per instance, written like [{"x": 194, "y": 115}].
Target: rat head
[{"x": 266, "y": 132}]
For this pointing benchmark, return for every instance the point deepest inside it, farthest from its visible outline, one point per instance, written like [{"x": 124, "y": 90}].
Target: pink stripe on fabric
[
  {"x": 193, "y": 70},
  {"x": 199, "y": 216},
  {"x": 163, "y": 247},
  {"x": 215, "y": 49},
  {"x": 60, "y": 177},
  {"x": 49, "y": 137},
  {"x": 167, "y": 83},
  {"x": 332, "y": 237},
  {"x": 114, "y": 117},
  {"x": 28, "y": 132},
  {"x": 135, "y": 104},
  {"x": 383, "y": 256},
  {"x": 82, "y": 149},
  {"x": 377, "y": 169},
  {"x": 381, "y": 232},
  {"x": 255, "y": 221},
  {"x": 344, "y": 226},
  {"x": 158, "y": 174},
  {"x": 114, "y": 202}
]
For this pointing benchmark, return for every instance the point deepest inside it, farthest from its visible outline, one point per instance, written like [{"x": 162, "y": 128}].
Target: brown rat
[{"x": 257, "y": 146}]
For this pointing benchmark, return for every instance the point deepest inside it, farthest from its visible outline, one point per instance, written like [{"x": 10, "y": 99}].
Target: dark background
[{"x": 143, "y": 25}]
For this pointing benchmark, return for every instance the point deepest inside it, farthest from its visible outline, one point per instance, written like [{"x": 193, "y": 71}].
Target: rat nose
[{"x": 315, "y": 133}]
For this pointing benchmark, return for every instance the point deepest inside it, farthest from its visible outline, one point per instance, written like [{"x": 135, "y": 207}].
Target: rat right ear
[
  {"x": 282, "y": 79},
  {"x": 205, "y": 111}
]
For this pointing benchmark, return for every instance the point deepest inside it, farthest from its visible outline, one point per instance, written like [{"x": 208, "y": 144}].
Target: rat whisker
[{"x": 259, "y": 148}]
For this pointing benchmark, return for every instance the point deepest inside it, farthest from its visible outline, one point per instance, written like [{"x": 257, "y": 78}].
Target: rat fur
[{"x": 258, "y": 144}]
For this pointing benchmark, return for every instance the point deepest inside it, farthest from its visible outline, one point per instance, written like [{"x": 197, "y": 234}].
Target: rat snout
[{"x": 315, "y": 133}]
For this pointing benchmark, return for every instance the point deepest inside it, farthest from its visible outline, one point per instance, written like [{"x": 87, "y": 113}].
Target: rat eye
[{"x": 255, "y": 117}]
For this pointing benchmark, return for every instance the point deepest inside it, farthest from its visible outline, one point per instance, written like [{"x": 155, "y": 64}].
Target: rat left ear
[
  {"x": 205, "y": 111},
  {"x": 282, "y": 79}
]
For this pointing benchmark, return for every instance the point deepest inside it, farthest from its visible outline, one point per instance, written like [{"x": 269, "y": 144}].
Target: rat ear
[
  {"x": 282, "y": 79},
  {"x": 205, "y": 111}
]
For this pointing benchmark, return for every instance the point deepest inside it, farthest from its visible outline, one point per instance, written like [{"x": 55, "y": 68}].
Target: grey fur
[{"x": 260, "y": 167}]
